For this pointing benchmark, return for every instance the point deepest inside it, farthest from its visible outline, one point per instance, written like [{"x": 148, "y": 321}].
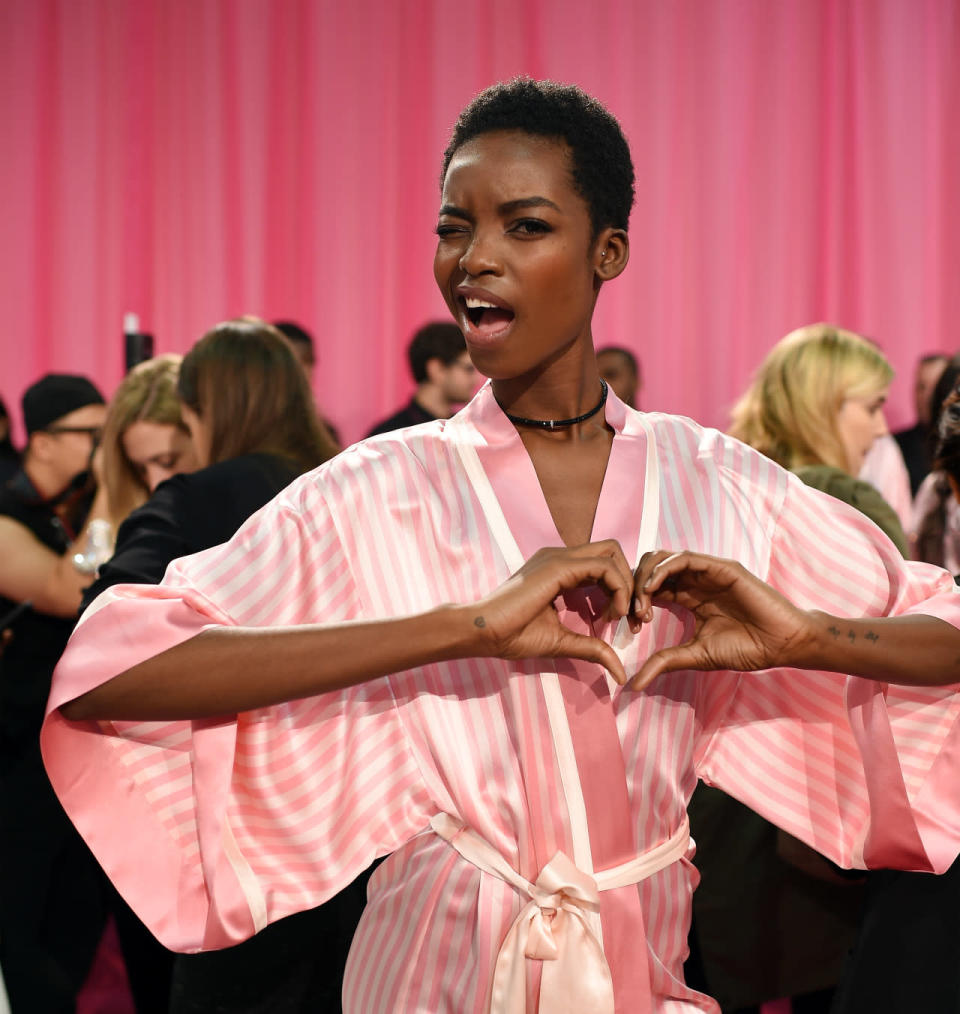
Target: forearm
[
  {"x": 232, "y": 669},
  {"x": 910, "y": 650}
]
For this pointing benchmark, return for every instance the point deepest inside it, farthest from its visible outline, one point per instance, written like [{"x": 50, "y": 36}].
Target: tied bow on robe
[{"x": 553, "y": 927}]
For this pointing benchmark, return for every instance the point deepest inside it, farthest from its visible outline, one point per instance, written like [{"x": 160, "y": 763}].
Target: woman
[
  {"x": 144, "y": 438},
  {"x": 772, "y": 918},
  {"x": 891, "y": 970},
  {"x": 247, "y": 404},
  {"x": 354, "y": 658},
  {"x": 935, "y": 528},
  {"x": 253, "y": 429},
  {"x": 815, "y": 406}
]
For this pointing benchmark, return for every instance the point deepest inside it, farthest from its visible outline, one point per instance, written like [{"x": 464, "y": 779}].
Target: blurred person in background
[
  {"x": 934, "y": 531},
  {"x": 884, "y": 468},
  {"x": 772, "y": 918},
  {"x": 9, "y": 455},
  {"x": 254, "y": 429},
  {"x": 51, "y": 889},
  {"x": 916, "y": 441},
  {"x": 815, "y": 406},
  {"x": 301, "y": 341},
  {"x": 905, "y": 954},
  {"x": 144, "y": 438},
  {"x": 444, "y": 375},
  {"x": 620, "y": 369},
  {"x": 304, "y": 348},
  {"x": 145, "y": 441}
]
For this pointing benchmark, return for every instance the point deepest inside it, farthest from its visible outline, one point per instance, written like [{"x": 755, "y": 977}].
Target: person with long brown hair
[{"x": 254, "y": 428}]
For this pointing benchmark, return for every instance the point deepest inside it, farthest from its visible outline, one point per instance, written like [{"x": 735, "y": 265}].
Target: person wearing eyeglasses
[{"x": 50, "y": 886}]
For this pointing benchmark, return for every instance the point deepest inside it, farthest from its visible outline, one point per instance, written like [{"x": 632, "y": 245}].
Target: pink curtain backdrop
[{"x": 192, "y": 160}]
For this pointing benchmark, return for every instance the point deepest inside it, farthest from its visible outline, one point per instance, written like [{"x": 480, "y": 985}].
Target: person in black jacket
[
  {"x": 51, "y": 890},
  {"x": 254, "y": 427},
  {"x": 905, "y": 956}
]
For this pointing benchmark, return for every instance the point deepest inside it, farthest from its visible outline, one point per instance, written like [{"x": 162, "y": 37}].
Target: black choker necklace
[{"x": 557, "y": 424}]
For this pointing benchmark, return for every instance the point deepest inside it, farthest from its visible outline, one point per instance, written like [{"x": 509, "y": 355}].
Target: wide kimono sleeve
[
  {"x": 868, "y": 773},
  {"x": 212, "y": 829}
]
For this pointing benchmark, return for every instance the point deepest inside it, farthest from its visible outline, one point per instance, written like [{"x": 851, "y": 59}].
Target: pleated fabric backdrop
[{"x": 191, "y": 160}]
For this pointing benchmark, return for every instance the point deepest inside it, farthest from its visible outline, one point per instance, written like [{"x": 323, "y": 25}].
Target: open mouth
[{"x": 486, "y": 318}]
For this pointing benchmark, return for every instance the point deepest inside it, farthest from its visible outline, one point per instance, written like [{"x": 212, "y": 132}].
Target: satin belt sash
[{"x": 555, "y": 924}]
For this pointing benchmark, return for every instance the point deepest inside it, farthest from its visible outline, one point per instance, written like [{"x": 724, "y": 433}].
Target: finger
[
  {"x": 613, "y": 550},
  {"x": 602, "y": 563},
  {"x": 614, "y": 577},
  {"x": 593, "y": 649},
  {"x": 562, "y": 570},
  {"x": 680, "y": 656},
  {"x": 642, "y": 604},
  {"x": 668, "y": 575}
]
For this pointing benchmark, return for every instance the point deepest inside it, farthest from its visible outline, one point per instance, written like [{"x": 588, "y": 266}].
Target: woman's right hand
[{"x": 519, "y": 619}]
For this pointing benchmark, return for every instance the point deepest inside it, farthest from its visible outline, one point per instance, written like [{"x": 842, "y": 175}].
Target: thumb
[
  {"x": 680, "y": 656},
  {"x": 593, "y": 649}
]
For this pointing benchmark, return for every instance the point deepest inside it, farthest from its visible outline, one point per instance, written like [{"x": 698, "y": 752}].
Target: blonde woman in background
[
  {"x": 772, "y": 918},
  {"x": 815, "y": 406},
  {"x": 144, "y": 438}
]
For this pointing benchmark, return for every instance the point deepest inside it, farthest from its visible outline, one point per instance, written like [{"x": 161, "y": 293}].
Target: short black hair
[
  {"x": 437, "y": 340},
  {"x": 293, "y": 332},
  {"x": 600, "y": 156}
]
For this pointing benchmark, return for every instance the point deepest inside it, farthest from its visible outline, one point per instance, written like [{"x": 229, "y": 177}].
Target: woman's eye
[
  {"x": 531, "y": 226},
  {"x": 443, "y": 230}
]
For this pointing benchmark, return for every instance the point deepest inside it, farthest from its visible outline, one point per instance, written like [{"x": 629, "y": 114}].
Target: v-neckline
[{"x": 514, "y": 479}]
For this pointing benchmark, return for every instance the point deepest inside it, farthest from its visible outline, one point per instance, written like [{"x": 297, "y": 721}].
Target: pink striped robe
[{"x": 215, "y": 829}]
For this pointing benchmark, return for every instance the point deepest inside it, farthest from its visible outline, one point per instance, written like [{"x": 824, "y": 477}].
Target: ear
[
  {"x": 611, "y": 252},
  {"x": 39, "y": 446},
  {"x": 435, "y": 370}
]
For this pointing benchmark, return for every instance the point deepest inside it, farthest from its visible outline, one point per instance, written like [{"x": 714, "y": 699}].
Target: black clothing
[
  {"x": 9, "y": 462},
  {"x": 294, "y": 966},
  {"x": 907, "y": 953},
  {"x": 410, "y": 415},
  {"x": 52, "y": 892},
  {"x": 915, "y": 445},
  {"x": 188, "y": 513}
]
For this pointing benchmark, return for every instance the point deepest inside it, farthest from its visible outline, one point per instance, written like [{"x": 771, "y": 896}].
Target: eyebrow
[{"x": 506, "y": 208}]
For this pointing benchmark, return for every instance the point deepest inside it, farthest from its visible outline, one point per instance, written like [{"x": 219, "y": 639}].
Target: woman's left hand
[{"x": 741, "y": 623}]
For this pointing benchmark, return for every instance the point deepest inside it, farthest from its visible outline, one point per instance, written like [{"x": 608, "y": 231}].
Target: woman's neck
[{"x": 559, "y": 392}]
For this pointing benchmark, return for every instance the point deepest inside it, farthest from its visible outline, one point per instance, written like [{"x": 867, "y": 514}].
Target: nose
[
  {"x": 881, "y": 429},
  {"x": 482, "y": 256}
]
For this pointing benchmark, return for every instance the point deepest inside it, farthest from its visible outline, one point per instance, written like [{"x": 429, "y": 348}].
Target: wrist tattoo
[
  {"x": 871, "y": 636},
  {"x": 479, "y": 621},
  {"x": 833, "y": 631},
  {"x": 852, "y": 636}
]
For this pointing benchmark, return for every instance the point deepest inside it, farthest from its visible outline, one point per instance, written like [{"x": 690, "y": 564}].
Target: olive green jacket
[{"x": 858, "y": 494}]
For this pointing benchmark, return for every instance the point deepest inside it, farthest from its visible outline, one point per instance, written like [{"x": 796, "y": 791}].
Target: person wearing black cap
[{"x": 51, "y": 890}]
